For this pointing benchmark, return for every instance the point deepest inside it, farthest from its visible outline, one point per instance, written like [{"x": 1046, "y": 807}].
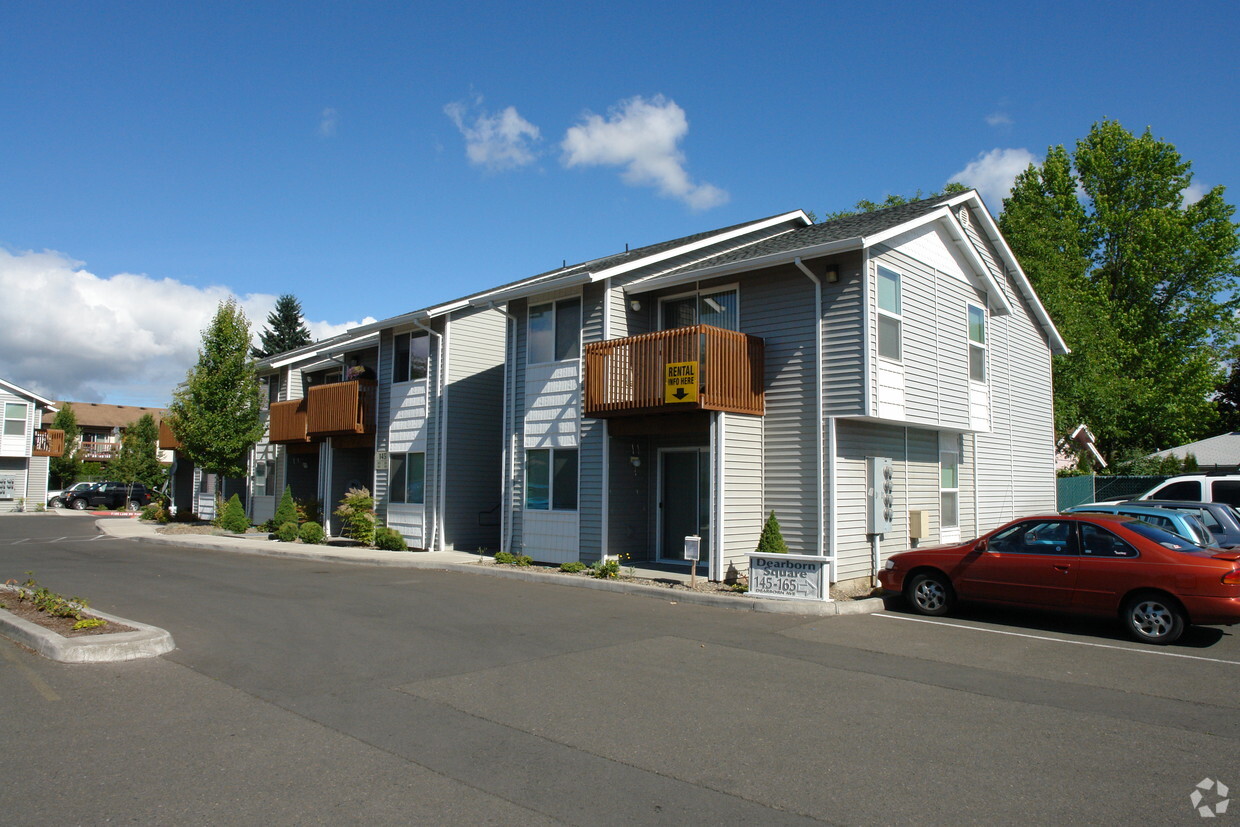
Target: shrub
[
  {"x": 154, "y": 512},
  {"x": 523, "y": 560},
  {"x": 506, "y": 557},
  {"x": 357, "y": 516},
  {"x": 605, "y": 569},
  {"x": 389, "y": 539},
  {"x": 771, "y": 541},
  {"x": 311, "y": 533},
  {"x": 309, "y": 511},
  {"x": 573, "y": 567},
  {"x": 233, "y": 517},
  {"x": 287, "y": 533},
  {"x": 286, "y": 512},
  {"x": 89, "y": 623}
]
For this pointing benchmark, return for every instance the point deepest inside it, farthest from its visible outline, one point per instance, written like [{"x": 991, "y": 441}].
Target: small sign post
[
  {"x": 693, "y": 551},
  {"x": 680, "y": 382}
]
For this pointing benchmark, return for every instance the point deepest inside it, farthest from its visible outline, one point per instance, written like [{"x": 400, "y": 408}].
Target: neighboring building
[
  {"x": 1217, "y": 453},
  {"x": 102, "y": 426},
  {"x": 692, "y": 387},
  {"x": 25, "y": 448}
]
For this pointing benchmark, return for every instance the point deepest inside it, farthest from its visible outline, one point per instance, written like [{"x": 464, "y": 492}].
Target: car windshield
[{"x": 1164, "y": 538}]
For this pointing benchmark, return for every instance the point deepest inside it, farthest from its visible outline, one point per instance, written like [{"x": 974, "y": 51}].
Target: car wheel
[
  {"x": 80, "y": 505},
  {"x": 1154, "y": 618},
  {"x": 133, "y": 505},
  {"x": 929, "y": 593},
  {"x": 57, "y": 502}
]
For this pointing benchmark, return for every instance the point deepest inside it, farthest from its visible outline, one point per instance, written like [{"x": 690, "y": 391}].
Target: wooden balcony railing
[
  {"x": 100, "y": 450},
  {"x": 167, "y": 440},
  {"x": 287, "y": 424},
  {"x": 341, "y": 408},
  {"x": 627, "y": 376},
  {"x": 48, "y": 443}
]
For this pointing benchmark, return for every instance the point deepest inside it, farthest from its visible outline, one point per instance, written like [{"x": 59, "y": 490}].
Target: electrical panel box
[
  {"x": 918, "y": 525},
  {"x": 880, "y": 488}
]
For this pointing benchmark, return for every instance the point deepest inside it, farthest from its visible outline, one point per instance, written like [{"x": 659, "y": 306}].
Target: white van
[{"x": 1198, "y": 488}]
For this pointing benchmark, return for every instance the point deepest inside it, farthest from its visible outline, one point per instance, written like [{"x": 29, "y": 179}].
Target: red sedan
[{"x": 1094, "y": 564}]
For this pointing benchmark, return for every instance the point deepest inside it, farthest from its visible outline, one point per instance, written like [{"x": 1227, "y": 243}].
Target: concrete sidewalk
[{"x": 131, "y": 529}]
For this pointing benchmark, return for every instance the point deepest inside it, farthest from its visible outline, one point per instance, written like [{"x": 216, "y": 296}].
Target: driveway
[{"x": 305, "y": 692}]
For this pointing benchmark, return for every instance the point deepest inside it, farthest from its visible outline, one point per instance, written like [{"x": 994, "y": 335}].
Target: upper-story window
[
  {"x": 272, "y": 383},
  {"x": 890, "y": 314},
  {"x": 14, "y": 419},
  {"x": 413, "y": 352},
  {"x": 977, "y": 343},
  {"x": 555, "y": 331},
  {"x": 720, "y": 308}
]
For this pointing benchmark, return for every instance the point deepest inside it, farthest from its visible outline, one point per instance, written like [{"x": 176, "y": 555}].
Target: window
[
  {"x": 264, "y": 477},
  {"x": 551, "y": 479},
  {"x": 977, "y": 343},
  {"x": 1184, "y": 490},
  {"x": 1036, "y": 537},
  {"x": 14, "y": 419},
  {"x": 1098, "y": 542},
  {"x": 889, "y": 314},
  {"x": 407, "y": 478},
  {"x": 273, "y": 389},
  {"x": 1226, "y": 492},
  {"x": 413, "y": 352},
  {"x": 555, "y": 331},
  {"x": 949, "y": 483},
  {"x": 719, "y": 308}
]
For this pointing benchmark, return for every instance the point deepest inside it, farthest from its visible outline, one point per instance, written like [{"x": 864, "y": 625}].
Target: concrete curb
[
  {"x": 405, "y": 559},
  {"x": 144, "y": 642}
]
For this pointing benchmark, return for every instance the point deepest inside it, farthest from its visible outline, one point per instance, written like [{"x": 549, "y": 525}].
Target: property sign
[
  {"x": 792, "y": 576},
  {"x": 680, "y": 382}
]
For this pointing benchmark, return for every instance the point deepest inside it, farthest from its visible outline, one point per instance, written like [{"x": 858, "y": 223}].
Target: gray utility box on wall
[{"x": 880, "y": 490}]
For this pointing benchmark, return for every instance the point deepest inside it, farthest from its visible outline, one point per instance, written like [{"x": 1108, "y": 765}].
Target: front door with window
[{"x": 684, "y": 501}]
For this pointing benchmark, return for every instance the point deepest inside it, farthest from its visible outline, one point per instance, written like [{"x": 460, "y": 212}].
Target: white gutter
[
  {"x": 507, "y": 472},
  {"x": 745, "y": 265},
  {"x": 818, "y": 384},
  {"x": 436, "y": 533},
  {"x": 868, "y": 380}
]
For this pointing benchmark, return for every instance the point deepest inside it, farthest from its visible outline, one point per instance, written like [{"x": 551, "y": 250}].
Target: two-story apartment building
[
  {"x": 25, "y": 448},
  {"x": 692, "y": 387}
]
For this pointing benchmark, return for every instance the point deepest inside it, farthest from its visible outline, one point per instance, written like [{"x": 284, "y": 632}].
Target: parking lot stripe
[{"x": 1056, "y": 639}]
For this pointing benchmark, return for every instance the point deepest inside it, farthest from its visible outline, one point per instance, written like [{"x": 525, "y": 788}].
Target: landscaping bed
[{"x": 63, "y": 626}]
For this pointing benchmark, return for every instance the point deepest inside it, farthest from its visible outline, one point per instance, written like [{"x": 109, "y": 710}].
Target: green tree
[
  {"x": 215, "y": 412},
  {"x": 286, "y": 329},
  {"x": 137, "y": 461},
  {"x": 894, "y": 200},
  {"x": 1140, "y": 284},
  {"x": 68, "y": 469},
  {"x": 771, "y": 541}
]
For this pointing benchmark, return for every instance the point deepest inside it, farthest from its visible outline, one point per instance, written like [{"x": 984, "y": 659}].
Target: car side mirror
[{"x": 981, "y": 545}]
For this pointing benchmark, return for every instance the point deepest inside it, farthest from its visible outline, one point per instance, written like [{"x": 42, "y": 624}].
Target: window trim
[
  {"x": 555, "y": 313},
  {"x": 734, "y": 287},
  {"x": 881, "y": 313},
  {"x": 409, "y": 336},
  {"x": 405, "y": 464},
  {"x": 982, "y": 346},
  {"x": 551, "y": 499},
  {"x": 949, "y": 447},
  {"x": 23, "y": 419}
]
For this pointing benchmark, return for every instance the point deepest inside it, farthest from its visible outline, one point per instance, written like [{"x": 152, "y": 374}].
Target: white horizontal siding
[
  {"x": 552, "y": 404},
  {"x": 410, "y": 521},
  {"x": 550, "y": 536},
  {"x": 741, "y": 503},
  {"x": 407, "y": 430}
]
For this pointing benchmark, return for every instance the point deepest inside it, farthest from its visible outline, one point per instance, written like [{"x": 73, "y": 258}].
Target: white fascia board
[
  {"x": 339, "y": 350},
  {"x": 658, "y": 282},
  {"x": 20, "y": 391},
  {"x": 646, "y": 261},
  {"x": 1058, "y": 345},
  {"x": 522, "y": 290},
  {"x": 998, "y": 301},
  {"x": 325, "y": 348}
]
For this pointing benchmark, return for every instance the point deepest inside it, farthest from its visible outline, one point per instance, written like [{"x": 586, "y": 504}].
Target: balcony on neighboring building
[
  {"x": 100, "y": 450},
  {"x": 698, "y": 368},
  {"x": 167, "y": 439},
  {"x": 49, "y": 442}
]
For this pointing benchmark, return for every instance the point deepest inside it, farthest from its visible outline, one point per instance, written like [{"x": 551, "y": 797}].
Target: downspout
[
  {"x": 818, "y": 384},
  {"x": 436, "y": 528},
  {"x": 506, "y": 471},
  {"x": 867, "y": 378}
]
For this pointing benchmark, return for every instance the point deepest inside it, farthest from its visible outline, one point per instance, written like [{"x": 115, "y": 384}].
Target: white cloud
[
  {"x": 1194, "y": 192},
  {"x": 328, "y": 121},
  {"x": 504, "y": 140},
  {"x": 999, "y": 119},
  {"x": 642, "y": 137},
  {"x": 126, "y": 339},
  {"x": 992, "y": 174}
]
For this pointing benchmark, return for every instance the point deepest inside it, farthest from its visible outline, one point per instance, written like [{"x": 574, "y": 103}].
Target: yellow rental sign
[{"x": 680, "y": 382}]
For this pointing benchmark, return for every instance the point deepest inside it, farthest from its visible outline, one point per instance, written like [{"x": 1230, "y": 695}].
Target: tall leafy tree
[
  {"x": 892, "y": 200},
  {"x": 69, "y": 467},
  {"x": 286, "y": 328},
  {"x": 1140, "y": 283},
  {"x": 215, "y": 412},
  {"x": 138, "y": 457}
]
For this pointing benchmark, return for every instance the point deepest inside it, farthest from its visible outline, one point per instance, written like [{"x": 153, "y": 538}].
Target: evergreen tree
[
  {"x": 216, "y": 411},
  {"x": 1140, "y": 284},
  {"x": 286, "y": 329},
  {"x": 772, "y": 539},
  {"x": 68, "y": 468}
]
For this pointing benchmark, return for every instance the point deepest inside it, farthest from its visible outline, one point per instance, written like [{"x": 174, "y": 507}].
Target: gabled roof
[
  {"x": 859, "y": 232},
  {"x": 102, "y": 415},
  {"x": 1221, "y": 450},
  {"x": 20, "y": 391}
]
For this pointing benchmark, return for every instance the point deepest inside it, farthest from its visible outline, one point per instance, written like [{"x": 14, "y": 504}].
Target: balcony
[
  {"x": 287, "y": 423},
  {"x": 341, "y": 408},
  {"x": 167, "y": 439},
  {"x": 627, "y": 377},
  {"x": 100, "y": 450},
  {"x": 48, "y": 443}
]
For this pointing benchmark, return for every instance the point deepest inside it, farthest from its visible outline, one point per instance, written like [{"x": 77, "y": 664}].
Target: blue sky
[{"x": 373, "y": 158}]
